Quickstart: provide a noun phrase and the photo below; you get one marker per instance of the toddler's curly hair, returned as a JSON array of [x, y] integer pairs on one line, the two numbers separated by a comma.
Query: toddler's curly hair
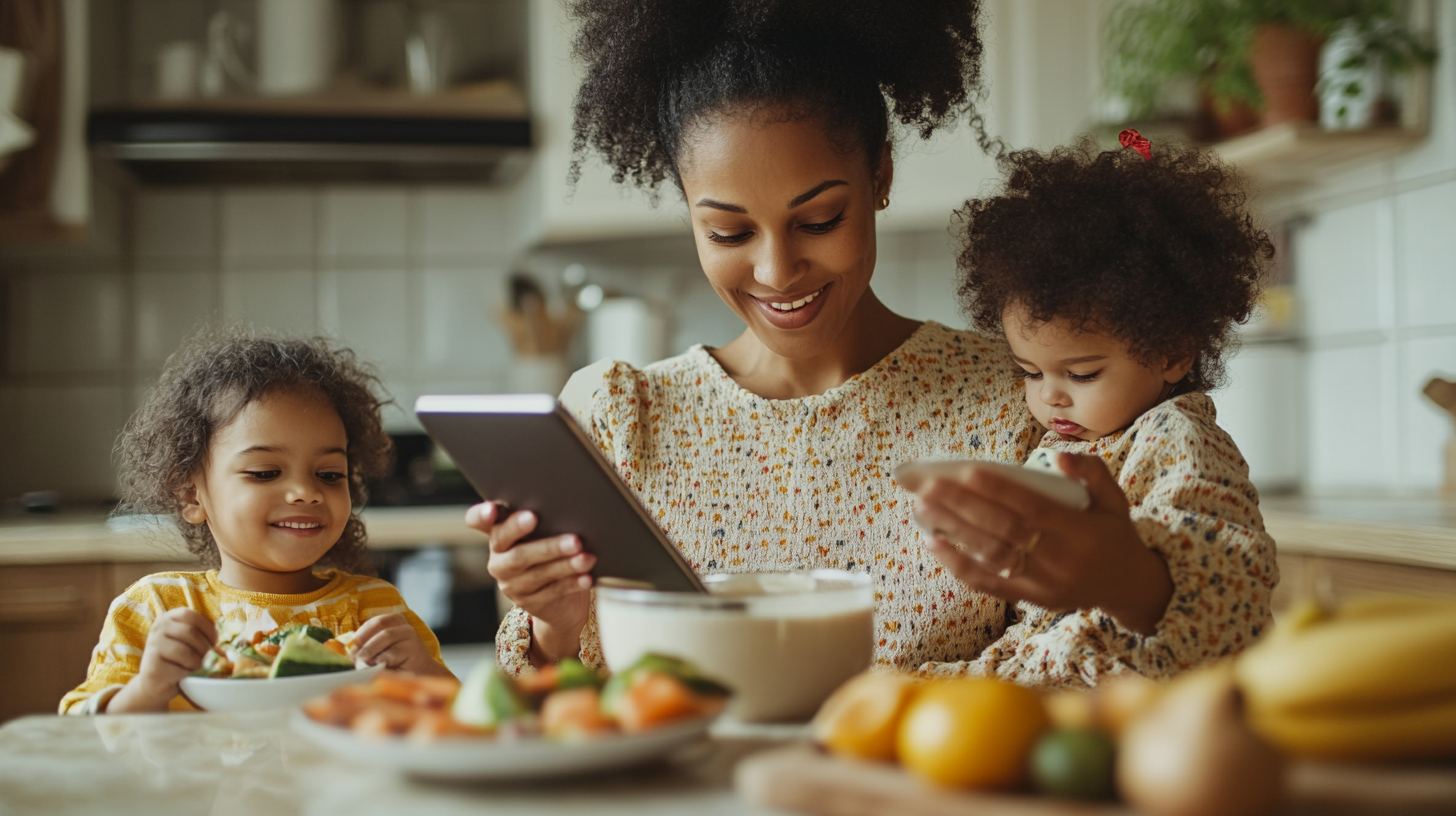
[[204, 387], [1160, 254]]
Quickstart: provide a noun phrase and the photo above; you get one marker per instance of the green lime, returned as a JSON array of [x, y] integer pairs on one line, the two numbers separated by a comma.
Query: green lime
[[1074, 763]]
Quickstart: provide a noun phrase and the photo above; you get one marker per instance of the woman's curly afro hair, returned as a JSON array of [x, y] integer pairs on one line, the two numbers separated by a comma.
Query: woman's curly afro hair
[[654, 67], [1160, 254], [204, 387]]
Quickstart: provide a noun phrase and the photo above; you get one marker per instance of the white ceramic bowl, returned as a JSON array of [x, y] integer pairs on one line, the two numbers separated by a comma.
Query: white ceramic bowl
[[214, 694], [488, 758], [781, 641]]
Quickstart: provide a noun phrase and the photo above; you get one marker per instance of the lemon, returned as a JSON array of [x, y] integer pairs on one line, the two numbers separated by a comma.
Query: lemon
[[860, 719], [971, 733]]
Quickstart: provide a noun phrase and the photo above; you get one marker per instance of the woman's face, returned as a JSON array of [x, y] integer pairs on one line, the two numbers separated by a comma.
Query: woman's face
[[785, 225]]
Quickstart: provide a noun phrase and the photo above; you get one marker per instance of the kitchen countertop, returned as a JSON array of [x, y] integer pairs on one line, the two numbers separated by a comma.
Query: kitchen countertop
[[1418, 530], [252, 763], [90, 538]]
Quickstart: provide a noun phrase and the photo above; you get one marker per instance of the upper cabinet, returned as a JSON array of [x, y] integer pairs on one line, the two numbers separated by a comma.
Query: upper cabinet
[[1039, 69]]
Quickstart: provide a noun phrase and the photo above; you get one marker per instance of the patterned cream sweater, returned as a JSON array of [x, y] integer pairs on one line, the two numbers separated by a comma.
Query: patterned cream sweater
[[742, 483]]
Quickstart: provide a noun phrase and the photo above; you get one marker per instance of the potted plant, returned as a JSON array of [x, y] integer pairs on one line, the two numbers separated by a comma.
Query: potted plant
[[1263, 54]]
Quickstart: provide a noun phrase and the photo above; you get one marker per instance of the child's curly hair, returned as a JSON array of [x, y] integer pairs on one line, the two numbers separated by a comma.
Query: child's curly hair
[[203, 388], [1160, 254]]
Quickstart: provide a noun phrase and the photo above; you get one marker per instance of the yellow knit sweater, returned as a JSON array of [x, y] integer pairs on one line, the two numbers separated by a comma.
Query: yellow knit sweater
[[341, 605]]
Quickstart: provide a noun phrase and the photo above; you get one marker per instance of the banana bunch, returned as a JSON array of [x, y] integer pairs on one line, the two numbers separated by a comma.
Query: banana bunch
[[1375, 680]]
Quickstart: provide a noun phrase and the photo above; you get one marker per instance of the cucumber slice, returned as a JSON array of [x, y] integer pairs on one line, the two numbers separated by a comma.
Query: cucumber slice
[[318, 633], [301, 654], [489, 698]]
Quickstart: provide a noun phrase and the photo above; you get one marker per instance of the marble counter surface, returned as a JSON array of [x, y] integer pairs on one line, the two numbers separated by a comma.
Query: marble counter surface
[[90, 538], [253, 764]]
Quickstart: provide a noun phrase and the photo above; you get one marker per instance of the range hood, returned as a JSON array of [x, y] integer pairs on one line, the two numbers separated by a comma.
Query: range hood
[[268, 141]]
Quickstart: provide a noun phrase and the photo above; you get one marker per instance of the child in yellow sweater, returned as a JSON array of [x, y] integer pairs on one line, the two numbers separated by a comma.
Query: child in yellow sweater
[[259, 448]]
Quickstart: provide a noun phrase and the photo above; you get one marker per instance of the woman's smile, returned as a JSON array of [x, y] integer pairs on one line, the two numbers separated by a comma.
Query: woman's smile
[[790, 311]]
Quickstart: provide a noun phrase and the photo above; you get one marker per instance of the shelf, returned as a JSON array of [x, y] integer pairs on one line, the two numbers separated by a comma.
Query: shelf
[[455, 137], [1298, 154]]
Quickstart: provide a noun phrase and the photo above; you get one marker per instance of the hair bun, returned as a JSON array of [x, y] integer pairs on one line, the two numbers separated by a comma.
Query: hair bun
[[651, 65]]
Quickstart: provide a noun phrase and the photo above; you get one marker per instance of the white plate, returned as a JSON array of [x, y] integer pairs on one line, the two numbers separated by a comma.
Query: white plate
[[216, 694], [502, 760]]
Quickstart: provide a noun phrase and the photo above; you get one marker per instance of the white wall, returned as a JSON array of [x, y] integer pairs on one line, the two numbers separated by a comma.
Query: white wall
[[1375, 271]]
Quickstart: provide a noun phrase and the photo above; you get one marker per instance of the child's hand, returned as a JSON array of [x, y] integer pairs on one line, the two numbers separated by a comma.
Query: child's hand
[[178, 641], [391, 641]]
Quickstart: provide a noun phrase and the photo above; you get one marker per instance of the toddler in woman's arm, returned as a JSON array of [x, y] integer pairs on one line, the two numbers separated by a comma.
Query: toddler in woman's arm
[[1119, 279]]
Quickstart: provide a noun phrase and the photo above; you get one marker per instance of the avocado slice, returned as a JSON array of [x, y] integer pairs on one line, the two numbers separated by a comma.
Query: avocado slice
[[301, 654]]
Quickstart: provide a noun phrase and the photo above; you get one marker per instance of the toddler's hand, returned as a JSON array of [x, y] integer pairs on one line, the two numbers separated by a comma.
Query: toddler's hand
[[391, 641], [178, 641]]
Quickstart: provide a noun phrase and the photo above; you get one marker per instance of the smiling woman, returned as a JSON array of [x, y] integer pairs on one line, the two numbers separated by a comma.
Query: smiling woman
[[774, 119]]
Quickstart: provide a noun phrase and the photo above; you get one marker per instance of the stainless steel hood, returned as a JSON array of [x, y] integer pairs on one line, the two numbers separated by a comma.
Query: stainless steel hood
[[200, 145]]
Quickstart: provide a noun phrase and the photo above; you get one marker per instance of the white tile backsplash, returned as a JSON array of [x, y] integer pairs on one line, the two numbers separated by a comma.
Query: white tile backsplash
[[1346, 419], [267, 223], [176, 223], [168, 307], [454, 222], [70, 322], [1424, 427], [460, 331], [369, 311], [280, 300], [1338, 257], [1425, 233], [364, 222]]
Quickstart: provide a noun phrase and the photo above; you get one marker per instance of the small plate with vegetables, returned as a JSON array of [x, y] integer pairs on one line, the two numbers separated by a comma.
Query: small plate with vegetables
[[276, 669], [562, 720]]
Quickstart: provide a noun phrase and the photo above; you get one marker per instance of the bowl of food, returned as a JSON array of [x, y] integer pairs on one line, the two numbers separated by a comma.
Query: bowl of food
[[781, 641], [273, 669], [562, 720]]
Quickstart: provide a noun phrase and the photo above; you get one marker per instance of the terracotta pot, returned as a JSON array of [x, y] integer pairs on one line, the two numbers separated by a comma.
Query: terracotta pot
[[1285, 61], [1237, 118]]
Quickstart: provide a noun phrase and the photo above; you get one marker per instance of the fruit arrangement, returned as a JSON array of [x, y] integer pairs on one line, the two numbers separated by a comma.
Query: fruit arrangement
[[565, 701], [1374, 680], [287, 651]]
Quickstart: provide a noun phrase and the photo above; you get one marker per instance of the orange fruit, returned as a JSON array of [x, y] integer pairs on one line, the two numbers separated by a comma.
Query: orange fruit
[[860, 719], [971, 733]]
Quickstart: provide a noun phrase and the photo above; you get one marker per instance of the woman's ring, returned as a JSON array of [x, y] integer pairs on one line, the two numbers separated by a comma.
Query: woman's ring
[[1021, 553]]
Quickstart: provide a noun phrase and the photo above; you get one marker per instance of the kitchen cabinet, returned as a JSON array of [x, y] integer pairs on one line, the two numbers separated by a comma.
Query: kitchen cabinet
[[1040, 68], [50, 618]]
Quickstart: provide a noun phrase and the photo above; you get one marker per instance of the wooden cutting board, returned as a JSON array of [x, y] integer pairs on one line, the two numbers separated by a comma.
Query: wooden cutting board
[[806, 780]]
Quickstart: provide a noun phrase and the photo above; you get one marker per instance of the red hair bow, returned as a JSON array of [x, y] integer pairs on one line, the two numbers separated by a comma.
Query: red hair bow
[[1135, 140]]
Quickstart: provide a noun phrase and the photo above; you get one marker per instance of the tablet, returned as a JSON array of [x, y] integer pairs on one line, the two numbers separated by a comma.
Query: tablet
[[527, 451]]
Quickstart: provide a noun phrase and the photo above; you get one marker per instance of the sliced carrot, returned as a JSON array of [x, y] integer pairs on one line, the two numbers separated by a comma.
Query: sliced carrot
[[434, 725], [333, 645], [655, 698], [258, 638], [397, 686], [540, 683], [436, 692], [269, 649], [382, 718], [573, 712]]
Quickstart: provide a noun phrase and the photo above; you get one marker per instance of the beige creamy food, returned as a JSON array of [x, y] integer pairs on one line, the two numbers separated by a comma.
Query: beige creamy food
[[782, 641]]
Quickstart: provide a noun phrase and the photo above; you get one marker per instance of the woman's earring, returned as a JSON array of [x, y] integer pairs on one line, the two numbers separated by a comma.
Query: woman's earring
[[884, 202]]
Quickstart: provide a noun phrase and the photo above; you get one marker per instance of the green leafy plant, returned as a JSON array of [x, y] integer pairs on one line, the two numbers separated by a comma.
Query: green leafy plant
[[1152, 43]]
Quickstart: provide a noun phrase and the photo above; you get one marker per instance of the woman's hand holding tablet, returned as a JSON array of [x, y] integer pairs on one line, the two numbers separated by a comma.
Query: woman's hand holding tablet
[[549, 578]]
